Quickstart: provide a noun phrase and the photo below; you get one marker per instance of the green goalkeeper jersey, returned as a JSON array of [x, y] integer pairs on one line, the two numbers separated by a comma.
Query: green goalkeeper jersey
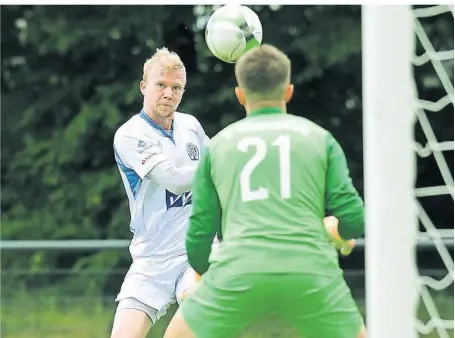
[[264, 183]]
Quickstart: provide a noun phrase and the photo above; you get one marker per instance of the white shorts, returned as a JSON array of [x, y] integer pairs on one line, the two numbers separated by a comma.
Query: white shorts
[[157, 284]]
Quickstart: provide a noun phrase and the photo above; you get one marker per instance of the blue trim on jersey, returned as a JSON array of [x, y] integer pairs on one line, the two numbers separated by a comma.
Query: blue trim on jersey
[[169, 134], [133, 178]]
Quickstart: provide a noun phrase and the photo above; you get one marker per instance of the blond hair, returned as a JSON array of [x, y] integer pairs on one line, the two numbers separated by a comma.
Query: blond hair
[[166, 60], [263, 73]]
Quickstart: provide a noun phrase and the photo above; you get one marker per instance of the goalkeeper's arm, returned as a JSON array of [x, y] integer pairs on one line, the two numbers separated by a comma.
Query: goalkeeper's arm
[[342, 199], [205, 220]]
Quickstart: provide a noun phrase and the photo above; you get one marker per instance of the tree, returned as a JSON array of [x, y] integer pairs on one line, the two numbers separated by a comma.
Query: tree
[[70, 77]]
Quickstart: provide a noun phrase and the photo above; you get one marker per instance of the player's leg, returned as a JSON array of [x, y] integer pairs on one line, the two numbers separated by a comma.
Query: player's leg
[[219, 307], [363, 332], [178, 328], [133, 319], [145, 296], [321, 307], [186, 284]]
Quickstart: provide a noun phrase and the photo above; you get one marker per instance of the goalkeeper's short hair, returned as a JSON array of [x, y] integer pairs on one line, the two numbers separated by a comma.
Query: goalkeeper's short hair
[[263, 73]]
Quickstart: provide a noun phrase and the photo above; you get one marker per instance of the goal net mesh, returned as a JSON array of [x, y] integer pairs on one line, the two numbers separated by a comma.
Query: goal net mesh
[[434, 145]]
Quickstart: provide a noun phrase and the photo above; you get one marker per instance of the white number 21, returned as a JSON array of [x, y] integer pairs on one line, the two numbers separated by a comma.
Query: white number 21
[[283, 144]]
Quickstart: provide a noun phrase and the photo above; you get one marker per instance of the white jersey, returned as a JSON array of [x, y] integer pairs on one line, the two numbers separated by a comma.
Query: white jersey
[[159, 218]]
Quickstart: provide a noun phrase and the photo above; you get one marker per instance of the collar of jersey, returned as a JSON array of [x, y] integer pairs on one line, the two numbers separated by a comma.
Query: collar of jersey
[[265, 111], [164, 132]]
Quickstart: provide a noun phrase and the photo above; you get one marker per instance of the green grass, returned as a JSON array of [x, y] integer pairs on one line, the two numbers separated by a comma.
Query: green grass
[[29, 316]]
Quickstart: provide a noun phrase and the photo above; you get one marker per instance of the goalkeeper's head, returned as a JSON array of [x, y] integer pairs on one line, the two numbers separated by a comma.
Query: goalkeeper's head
[[264, 78]]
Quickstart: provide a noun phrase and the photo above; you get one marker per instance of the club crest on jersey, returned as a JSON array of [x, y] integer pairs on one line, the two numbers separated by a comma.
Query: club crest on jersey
[[193, 151]]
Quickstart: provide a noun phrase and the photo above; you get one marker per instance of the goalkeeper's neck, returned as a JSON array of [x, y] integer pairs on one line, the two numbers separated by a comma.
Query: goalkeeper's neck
[[252, 106]]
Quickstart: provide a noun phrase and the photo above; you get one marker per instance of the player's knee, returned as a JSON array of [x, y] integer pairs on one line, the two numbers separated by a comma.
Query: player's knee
[[362, 333], [130, 323]]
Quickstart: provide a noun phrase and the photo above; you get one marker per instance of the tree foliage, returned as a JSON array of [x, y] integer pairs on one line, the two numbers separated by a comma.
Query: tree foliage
[[70, 78]]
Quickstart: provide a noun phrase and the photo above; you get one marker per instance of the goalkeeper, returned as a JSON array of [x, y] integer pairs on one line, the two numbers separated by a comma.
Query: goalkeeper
[[265, 183]]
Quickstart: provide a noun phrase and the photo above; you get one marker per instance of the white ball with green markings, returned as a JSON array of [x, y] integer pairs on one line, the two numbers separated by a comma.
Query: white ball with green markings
[[231, 31]]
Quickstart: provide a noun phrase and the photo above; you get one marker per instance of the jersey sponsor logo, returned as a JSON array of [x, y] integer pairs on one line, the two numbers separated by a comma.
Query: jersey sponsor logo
[[143, 147], [178, 201], [144, 160], [193, 151]]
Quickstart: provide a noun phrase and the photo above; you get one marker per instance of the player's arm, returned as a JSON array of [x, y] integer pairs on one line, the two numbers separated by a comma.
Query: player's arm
[[342, 199], [205, 220], [149, 161], [176, 180]]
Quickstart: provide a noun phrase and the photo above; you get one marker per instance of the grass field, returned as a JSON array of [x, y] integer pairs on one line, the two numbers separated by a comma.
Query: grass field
[[31, 317]]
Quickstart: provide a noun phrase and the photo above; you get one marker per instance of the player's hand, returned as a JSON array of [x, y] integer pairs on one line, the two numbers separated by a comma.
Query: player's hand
[[331, 226]]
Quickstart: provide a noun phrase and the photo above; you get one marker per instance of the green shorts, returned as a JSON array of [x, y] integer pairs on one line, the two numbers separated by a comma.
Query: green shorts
[[318, 307]]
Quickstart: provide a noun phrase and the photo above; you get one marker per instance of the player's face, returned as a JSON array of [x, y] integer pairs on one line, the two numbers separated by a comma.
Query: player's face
[[163, 92]]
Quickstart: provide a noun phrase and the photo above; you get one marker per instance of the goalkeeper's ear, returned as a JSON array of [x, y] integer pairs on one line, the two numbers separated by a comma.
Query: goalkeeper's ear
[[240, 94], [289, 92]]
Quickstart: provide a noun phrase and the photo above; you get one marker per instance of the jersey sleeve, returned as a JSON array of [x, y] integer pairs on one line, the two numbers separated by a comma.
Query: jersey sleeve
[[175, 180], [341, 198], [205, 220], [139, 155]]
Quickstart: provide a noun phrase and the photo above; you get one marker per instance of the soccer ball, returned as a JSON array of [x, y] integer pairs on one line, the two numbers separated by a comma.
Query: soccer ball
[[231, 31]]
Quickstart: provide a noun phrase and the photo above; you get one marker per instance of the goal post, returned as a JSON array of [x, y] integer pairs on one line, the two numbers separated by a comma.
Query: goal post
[[403, 47], [390, 170]]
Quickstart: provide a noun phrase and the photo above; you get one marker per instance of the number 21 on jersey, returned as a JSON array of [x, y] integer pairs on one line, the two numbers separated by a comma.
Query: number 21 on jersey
[[282, 144]]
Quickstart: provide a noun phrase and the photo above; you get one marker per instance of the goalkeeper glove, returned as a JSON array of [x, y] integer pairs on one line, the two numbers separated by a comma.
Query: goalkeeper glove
[[331, 227]]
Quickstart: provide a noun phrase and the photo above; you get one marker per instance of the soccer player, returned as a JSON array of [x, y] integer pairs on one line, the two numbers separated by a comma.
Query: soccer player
[[157, 152], [265, 183]]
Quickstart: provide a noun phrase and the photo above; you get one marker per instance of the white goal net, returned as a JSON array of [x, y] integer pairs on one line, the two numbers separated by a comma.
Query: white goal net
[[434, 61], [408, 94]]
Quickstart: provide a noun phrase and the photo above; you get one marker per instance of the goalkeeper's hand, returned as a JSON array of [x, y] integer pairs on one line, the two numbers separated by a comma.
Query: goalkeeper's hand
[[331, 226]]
